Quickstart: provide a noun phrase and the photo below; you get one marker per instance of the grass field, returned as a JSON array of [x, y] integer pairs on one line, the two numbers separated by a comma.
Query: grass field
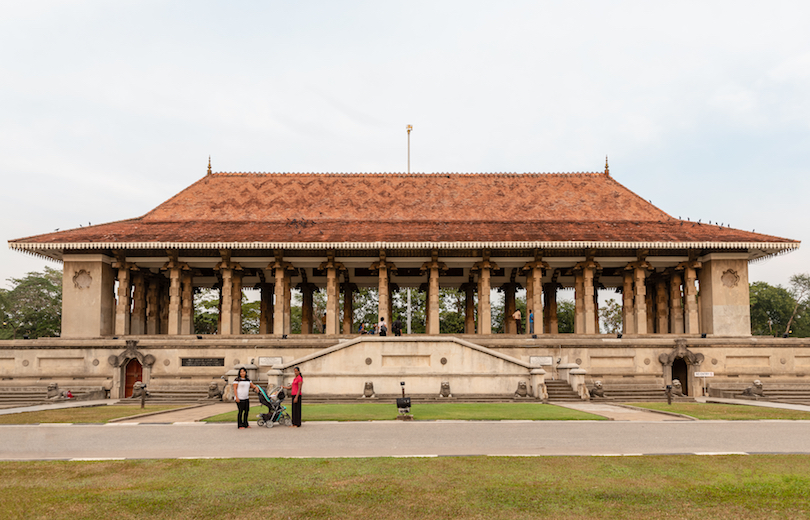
[[428, 412], [85, 414], [726, 412], [683, 487]]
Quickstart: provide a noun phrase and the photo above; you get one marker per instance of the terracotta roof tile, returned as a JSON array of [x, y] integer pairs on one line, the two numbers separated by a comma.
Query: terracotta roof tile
[[404, 208]]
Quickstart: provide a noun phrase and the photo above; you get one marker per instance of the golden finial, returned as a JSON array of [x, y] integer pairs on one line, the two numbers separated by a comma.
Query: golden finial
[[607, 169], [209, 165]]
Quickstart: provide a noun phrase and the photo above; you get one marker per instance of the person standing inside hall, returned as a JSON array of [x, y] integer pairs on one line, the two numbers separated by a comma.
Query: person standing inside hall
[[531, 322], [241, 392], [295, 392], [516, 315]]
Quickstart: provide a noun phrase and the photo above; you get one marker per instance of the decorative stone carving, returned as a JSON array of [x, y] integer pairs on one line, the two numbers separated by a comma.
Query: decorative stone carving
[[138, 390], [26, 362], [95, 362], [647, 361], [443, 361], [107, 387], [754, 391], [522, 389], [368, 390], [368, 361], [597, 390], [445, 389], [680, 351], [82, 279], [214, 391], [131, 352], [677, 389], [730, 278], [53, 391]]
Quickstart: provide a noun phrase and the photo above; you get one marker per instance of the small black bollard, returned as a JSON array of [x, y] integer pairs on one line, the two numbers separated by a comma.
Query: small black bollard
[[669, 394], [143, 396]]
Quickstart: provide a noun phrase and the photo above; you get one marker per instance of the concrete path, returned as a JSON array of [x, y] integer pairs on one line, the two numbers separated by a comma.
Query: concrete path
[[58, 406], [762, 404], [402, 439], [622, 413], [186, 415]]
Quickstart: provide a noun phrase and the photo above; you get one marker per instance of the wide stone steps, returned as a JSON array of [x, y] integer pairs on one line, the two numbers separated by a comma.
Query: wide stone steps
[[561, 391]]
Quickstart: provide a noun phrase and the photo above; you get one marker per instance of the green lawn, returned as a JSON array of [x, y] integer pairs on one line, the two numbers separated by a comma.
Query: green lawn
[[682, 487], [726, 412], [428, 412], [85, 414]]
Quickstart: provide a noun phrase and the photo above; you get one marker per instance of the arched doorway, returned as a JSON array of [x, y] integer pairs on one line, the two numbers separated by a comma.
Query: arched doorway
[[132, 373], [680, 371]]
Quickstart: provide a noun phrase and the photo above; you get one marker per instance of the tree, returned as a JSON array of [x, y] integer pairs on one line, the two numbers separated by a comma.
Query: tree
[[566, 311], [33, 307], [610, 317], [800, 291], [771, 308]]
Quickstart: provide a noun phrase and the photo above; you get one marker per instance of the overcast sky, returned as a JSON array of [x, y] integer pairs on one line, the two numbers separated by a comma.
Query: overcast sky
[[109, 108]]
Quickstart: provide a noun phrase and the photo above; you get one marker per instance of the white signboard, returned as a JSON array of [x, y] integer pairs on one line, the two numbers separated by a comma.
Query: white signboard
[[538, 361], [704, 374], [269, 361]]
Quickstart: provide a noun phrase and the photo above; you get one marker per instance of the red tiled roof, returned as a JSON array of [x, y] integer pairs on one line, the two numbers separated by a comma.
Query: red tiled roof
[[403, 208]]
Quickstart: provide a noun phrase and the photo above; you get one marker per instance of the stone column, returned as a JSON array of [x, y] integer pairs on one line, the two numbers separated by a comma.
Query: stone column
[[579, 302], [535, 303], [138, 318], [175, 300], [550, 323], [187, 312], [509, 325], [123, 307], [226, 302], [484, 269], [529, 302], [675, 304], [153, 307], [650, 301], [640, 296], [307, 318], [281, 307], [585, 322], [628, 314], [266, 308], [469, 308], [383, 306], [691, 324], [287, 304], [163, 293], [332, 269], [433, 301], [236, 302], [661, 306], [348, 307]]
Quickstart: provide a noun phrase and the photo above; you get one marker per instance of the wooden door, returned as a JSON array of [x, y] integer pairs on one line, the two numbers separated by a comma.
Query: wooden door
[[133, 372]]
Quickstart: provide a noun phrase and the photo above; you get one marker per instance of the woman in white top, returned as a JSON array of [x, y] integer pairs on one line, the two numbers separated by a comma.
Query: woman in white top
[[241, 392]]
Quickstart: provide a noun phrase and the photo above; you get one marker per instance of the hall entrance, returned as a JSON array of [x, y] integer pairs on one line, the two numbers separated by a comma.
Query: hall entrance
[[132, 373], [680, 371]]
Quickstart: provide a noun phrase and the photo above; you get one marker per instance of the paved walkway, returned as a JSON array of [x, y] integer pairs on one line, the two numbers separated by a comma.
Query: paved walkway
[[746, 402], [186, 415], [401, 439], [623, 413], [58, 406]]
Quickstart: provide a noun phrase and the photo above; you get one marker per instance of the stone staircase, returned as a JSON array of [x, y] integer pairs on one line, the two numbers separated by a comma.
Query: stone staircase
[[33, 395], [561, 391], [635, 393], [174, 395]]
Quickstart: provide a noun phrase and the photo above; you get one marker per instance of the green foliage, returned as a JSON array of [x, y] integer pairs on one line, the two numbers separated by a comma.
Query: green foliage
[[33, 307], [610, 317], [206, 311], [772, 308], [566, 311]]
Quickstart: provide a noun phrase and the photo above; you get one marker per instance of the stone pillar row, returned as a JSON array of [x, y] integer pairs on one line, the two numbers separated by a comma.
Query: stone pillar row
[[660, 303], [651, 303]]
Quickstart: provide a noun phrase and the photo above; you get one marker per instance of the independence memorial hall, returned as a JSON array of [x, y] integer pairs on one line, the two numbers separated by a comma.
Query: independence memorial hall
[[129, 287]]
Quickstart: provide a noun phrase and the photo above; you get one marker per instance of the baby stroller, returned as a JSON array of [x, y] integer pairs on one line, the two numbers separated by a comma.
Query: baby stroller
[[277, 414]]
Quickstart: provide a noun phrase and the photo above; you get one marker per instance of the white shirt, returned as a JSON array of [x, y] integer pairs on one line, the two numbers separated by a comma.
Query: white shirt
[[242, 389]]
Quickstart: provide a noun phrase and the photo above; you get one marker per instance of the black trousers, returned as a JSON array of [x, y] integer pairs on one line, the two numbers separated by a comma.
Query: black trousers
[[243, 406], [296, 410]]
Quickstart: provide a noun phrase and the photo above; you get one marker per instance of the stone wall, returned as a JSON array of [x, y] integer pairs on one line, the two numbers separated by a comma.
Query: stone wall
[[332, 369]]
